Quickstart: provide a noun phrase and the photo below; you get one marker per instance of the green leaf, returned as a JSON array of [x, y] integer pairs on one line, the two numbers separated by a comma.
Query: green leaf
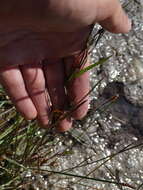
[[82, 71]]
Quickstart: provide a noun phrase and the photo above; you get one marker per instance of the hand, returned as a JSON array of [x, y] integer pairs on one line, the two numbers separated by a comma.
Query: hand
[[56, 32]]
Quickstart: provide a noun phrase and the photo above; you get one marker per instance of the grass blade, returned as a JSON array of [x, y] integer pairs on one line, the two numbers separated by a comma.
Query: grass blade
[[82, 71], [7, 132], [14, 162], [89, 178]]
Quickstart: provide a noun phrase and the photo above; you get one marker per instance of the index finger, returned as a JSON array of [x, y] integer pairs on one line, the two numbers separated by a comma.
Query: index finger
[[112, 17]]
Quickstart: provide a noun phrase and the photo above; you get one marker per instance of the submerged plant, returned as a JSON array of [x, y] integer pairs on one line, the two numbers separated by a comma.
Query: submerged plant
[[29, 156]]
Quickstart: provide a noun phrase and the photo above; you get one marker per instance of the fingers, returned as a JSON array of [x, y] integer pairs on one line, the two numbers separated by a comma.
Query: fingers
[[78, 88], [13, 82], [35, 84], [112, 17], [55, 78], [26, 88]]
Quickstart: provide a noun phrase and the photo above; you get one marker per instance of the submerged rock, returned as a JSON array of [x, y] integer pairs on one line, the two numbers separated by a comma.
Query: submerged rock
[[123, 109]]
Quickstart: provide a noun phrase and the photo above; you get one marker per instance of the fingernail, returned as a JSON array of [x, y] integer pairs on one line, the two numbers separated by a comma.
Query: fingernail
[[64, 125], [129, 24], [43, 121]]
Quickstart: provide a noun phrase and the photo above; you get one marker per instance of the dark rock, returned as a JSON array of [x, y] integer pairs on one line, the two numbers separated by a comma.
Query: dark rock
[[130, 115]]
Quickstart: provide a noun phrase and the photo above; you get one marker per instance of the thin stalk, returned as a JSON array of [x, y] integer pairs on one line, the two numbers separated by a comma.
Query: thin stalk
[[85, 177]]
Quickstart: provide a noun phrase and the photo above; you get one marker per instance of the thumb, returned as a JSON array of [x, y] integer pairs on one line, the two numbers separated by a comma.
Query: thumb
[[113, 18]]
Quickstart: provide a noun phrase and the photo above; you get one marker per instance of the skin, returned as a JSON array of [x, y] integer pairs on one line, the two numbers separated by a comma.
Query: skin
[[54, 31]]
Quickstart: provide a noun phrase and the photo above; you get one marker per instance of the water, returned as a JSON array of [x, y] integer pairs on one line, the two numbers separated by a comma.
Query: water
[[117, 128]]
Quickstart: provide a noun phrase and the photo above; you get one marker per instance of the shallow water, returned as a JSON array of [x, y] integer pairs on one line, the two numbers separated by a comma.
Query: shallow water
[[116, 127]]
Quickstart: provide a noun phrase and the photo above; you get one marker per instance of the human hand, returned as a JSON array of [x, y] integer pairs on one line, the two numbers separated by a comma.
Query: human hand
[[57, 32]]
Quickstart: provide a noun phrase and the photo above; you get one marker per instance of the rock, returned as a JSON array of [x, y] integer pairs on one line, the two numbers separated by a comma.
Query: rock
[[129, 114]]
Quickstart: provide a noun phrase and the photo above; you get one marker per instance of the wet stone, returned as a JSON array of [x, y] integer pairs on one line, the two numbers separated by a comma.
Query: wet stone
[[113, 127]]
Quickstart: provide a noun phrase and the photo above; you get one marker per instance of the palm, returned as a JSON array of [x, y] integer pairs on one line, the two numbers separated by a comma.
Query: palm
[[30, 46], [57, 34]]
